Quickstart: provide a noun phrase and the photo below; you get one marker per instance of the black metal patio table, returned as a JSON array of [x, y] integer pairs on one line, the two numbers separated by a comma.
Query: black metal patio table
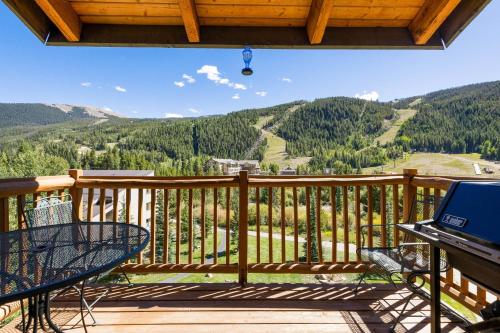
[[36, 261]]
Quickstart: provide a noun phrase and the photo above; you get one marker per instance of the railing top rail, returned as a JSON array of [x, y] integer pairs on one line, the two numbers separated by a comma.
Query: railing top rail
[[325, 176], [154, 183], [443, 182], [17, 186], [325, 181], [157, 177]]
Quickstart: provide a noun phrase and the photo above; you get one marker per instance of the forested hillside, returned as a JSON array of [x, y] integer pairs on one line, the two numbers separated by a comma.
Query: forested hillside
[[335, 133], [331, 122], [25, 114], [458, 120]]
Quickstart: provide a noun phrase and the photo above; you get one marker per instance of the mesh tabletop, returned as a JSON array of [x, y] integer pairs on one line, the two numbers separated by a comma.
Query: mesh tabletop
[[42, 259]]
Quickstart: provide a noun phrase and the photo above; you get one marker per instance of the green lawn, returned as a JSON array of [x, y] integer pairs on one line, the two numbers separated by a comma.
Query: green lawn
[[438, 164]]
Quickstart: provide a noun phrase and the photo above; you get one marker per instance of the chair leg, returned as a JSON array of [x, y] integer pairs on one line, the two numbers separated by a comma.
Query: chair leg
[[23, 317], [130, 284], [392, 281], [361, 280], [82, 300], [85, 306], [400, 315]]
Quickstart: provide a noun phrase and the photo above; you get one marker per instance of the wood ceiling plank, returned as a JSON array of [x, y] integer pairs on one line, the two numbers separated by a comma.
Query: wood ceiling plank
[[63, 16], [125, 9], [367, 23], [131, 1], [318, 19], [132, 20], [375, 13], [379, 3], [252, 11], [429, 19], [305, 3], [251, 22], [190, 18]]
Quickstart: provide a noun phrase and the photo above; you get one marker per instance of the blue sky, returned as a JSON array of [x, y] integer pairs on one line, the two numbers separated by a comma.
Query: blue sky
[[141, 82]]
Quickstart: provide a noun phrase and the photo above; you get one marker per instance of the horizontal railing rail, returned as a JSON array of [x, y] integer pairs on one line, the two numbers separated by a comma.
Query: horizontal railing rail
[[247, 224]]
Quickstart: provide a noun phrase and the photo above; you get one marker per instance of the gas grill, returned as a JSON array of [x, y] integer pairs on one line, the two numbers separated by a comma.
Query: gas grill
[[468, 222], [467, 226]]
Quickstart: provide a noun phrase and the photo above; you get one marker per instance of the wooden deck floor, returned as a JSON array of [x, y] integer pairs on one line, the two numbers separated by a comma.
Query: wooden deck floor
[[195, 308]]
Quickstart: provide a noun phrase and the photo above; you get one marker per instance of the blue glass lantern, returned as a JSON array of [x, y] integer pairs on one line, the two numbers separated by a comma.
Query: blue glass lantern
[[247, 57]]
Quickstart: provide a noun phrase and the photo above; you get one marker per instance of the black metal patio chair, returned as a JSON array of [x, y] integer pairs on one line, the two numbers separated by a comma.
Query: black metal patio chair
[[56, 210], [407, 262]]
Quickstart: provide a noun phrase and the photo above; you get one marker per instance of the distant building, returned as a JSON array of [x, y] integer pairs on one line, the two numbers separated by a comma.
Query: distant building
[[288, 171], [233, 167], [328, 171], [108, 206], [252, 166]]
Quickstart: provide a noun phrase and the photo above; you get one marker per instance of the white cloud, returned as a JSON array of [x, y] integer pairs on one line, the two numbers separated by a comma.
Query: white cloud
[[193, 110], [107, 109], [286, 79], [179, 84], [86, 84], [261, 93], [236, 96], [238, 86], [135, 112], [213, 74], [173, 115], [120, 89], [188, 78], [369, 96]]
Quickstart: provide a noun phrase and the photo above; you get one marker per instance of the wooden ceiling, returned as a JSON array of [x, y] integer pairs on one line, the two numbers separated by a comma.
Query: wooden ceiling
[[259, 23]]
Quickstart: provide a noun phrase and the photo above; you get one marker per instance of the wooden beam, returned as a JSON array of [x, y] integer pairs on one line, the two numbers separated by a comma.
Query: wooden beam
[[318, 19], [430, 18], [32, 16], [465, 13], [237, 37], [63, 16], [190, 18]]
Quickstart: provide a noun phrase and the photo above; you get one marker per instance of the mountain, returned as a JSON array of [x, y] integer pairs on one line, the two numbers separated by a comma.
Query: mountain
[[338, 132], [457, 120], [30, 114], [330, 122]]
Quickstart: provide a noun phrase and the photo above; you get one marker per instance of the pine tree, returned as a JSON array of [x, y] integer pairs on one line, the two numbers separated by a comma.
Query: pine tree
[[312, 230]]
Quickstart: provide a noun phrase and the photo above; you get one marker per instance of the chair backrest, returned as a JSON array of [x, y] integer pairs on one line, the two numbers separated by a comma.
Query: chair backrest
[[49, 211], [423, 207]]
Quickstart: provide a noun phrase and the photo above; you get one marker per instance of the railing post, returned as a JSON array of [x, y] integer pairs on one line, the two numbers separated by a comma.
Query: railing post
[[4, 214], [409, 192], [243, 228], [76, 193]]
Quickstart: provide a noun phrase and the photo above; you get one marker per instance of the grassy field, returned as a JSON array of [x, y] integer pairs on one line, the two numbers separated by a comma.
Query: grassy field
[[439, 164], [233, 258], [276, 152], [390, 134], [263, 121]]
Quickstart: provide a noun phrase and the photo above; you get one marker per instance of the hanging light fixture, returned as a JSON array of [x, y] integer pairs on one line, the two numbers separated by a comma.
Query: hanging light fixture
[[247, 57]]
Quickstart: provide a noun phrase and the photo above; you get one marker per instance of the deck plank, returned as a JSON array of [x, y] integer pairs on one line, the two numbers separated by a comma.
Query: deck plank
[[199, 308]]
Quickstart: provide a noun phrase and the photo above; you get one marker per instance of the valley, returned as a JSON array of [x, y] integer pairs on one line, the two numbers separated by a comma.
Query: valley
[[442, 132]]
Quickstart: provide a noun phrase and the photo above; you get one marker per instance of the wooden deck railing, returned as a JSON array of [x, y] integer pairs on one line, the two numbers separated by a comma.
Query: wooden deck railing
[[245, 224]]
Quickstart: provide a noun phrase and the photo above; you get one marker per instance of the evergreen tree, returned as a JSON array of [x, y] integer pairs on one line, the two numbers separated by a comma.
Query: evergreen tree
[[313, 230]]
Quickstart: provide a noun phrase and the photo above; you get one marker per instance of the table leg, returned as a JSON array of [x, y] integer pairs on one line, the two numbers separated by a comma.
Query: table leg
[[47, 314], [39, 314], [435, 290], [35, 313]]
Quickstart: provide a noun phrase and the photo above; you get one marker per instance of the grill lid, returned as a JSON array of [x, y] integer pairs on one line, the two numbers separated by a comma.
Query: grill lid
[[471, 209]]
